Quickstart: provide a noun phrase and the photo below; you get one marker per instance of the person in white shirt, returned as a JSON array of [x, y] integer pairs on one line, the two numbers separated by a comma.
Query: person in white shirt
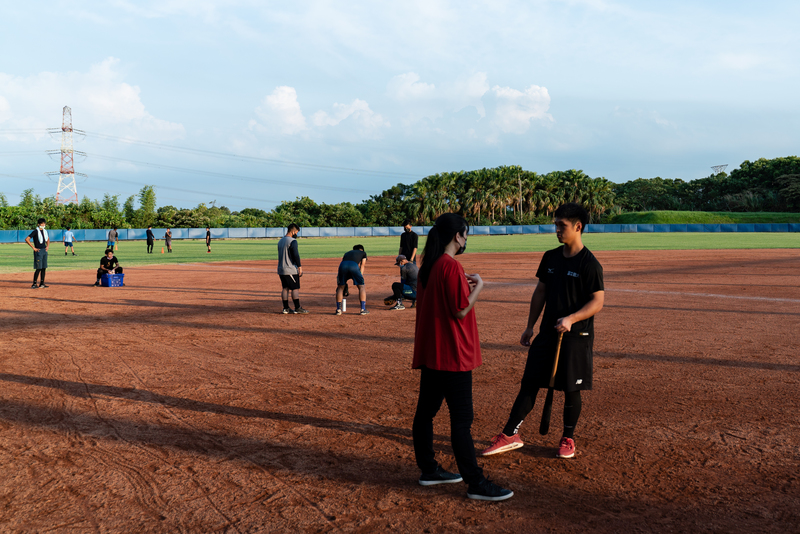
[[40, 245], [69, 238]]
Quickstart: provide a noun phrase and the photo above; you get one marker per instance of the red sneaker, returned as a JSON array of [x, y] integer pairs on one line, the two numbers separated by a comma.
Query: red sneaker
[[502, 443], [566, 449]]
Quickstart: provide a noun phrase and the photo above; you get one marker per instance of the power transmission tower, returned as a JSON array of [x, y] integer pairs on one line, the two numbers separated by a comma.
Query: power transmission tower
[[67, 189], [719, 168]]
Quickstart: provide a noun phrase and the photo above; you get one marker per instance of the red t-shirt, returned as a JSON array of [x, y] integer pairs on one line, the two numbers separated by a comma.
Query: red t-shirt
[[441, 341]]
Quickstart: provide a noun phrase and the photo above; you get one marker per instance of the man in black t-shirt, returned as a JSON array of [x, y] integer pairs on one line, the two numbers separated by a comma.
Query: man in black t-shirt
[[40, 244], [408, 242], [109, 264], [352, 268], [571, 291]]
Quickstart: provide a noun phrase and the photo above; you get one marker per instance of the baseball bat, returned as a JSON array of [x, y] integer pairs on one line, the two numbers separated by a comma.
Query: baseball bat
[[544, 427]]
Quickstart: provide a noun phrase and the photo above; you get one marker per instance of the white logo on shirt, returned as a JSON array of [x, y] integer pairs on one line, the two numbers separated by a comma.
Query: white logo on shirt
[[570, 273], [580, 381]]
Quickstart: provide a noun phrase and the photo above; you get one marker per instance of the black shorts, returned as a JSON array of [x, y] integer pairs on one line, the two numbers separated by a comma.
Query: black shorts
[[574, 371], [290, 281]]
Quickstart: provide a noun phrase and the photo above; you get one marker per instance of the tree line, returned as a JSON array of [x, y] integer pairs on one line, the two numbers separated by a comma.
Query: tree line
[[500, 195]]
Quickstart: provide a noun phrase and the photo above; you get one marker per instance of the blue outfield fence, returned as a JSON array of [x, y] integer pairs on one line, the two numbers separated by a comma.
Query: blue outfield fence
[[18, 236]]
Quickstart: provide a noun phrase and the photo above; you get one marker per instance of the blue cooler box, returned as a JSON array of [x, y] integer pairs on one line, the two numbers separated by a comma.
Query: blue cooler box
[[112, 280]]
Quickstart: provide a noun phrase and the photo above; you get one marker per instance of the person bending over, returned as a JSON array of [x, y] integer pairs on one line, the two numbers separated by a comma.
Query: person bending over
[[352, 268]]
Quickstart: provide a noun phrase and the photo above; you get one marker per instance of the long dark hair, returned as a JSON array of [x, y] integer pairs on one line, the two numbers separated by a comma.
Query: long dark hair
[[444, 230]]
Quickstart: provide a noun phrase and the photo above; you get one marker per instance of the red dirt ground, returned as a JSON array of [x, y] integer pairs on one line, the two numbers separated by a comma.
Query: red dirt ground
[[185, 403]]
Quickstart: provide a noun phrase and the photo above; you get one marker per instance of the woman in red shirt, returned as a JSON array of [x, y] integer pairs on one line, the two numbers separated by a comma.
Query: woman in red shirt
[[446, 350]]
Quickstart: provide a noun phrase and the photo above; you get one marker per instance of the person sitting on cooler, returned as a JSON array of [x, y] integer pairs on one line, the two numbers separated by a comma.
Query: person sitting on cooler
[[109, 264]]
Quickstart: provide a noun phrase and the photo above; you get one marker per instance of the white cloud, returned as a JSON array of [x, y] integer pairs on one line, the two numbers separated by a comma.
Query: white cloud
[[408, 87], [516, 109], [100, 100], [282, 110], [367, 122]]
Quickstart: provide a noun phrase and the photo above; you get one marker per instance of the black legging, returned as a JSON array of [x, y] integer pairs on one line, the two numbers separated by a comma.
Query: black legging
[[456, 388], [36, 274], [150, 246], [524, 404]]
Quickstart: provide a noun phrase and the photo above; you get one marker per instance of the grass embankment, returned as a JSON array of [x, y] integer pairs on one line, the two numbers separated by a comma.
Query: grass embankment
[[19, 258], [703, 217]]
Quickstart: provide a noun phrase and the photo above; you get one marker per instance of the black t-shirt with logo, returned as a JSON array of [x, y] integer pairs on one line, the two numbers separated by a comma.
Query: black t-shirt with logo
[[408, 242], [569, 283], [109, 263]]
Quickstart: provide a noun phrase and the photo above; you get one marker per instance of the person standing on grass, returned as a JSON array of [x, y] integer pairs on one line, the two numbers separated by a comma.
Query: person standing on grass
[[290, 270], [408, 242], [69, 238], [571, 292], [40, 246], [446, 350], [151, 239], [168, 239], [208, 239], [352, 268], [112, 238]]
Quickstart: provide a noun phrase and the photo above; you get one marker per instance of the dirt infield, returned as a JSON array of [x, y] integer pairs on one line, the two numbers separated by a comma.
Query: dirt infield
[[185, 402]]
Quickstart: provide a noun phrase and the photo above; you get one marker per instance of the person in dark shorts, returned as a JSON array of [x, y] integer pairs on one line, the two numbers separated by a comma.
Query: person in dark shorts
[[208, 239], [290, 270], [408, 242], [352, 268], [113, 235], [407, 286], [69, 239], [168, 239], [108, 265], [571, 292], [151, 239], [447, 349], [40, 244]]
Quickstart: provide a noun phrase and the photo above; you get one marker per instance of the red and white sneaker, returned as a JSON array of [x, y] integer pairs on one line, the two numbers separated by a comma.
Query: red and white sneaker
[[566, 449], [502, 443]]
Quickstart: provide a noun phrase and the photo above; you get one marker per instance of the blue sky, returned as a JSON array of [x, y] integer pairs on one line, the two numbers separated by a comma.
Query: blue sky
[[338, 101]]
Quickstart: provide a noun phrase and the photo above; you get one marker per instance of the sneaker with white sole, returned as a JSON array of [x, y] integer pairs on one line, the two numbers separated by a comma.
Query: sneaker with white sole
[[300, 311], [288, 311], [566, 449], [398, 307], [364, 312], [488, 491], [337, 312], [440, 476], [502, 443]]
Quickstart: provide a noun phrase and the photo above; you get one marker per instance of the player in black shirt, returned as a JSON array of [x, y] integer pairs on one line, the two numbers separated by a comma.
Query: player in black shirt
[[208, 239], [408, 242], [109, 264], [352, 268], [571, 291], [39, 241]]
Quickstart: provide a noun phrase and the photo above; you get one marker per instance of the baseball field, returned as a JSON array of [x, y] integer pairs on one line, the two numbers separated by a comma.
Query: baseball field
[[185, 402]]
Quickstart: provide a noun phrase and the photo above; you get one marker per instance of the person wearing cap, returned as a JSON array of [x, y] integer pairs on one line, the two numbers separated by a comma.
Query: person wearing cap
[[407, 286]]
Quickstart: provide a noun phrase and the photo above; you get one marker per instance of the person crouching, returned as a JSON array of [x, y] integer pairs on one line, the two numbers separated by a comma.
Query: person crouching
[[109, 264]]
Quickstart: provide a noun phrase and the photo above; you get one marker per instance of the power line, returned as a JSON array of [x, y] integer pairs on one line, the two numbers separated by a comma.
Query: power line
[[234, 176], [249, 158]]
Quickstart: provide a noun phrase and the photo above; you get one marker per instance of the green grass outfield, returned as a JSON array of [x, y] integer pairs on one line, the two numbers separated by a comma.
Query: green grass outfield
[[19, 257], [703, 217]]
